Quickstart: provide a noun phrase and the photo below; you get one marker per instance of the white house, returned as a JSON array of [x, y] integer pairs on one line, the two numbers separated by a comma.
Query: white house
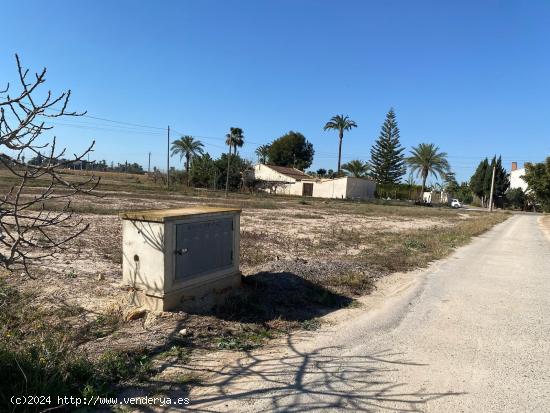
[[284, 180], [291, 181], [516, 177], [437, 197]]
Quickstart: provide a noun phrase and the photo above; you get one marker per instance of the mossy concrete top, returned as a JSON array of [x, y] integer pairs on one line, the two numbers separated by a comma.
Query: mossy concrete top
[[162, 215]]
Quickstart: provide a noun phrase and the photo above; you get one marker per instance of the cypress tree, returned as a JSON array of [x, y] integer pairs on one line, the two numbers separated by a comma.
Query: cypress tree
[[480, 182], [478, 178], [502, 181], [387, 159]]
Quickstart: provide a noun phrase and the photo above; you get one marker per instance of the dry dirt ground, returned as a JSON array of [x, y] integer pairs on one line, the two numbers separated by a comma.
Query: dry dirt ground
[[88, 273], [300, 259]]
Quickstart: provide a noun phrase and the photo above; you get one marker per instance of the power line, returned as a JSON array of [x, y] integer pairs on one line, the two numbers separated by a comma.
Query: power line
[[124, 123], [132, 127]]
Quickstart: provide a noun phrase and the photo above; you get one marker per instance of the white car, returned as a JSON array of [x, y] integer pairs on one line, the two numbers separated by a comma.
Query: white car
[[455, 203]]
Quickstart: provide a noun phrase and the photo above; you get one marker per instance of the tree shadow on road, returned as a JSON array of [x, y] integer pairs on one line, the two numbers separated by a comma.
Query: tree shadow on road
[[322, 380]]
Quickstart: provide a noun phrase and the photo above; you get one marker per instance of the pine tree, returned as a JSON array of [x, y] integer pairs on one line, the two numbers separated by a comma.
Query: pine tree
[[387, 162]]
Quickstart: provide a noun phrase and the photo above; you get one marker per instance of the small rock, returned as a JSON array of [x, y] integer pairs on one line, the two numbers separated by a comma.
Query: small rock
[[150, 320], [134, 314], [100, 277], [183, 332], [165, 314]]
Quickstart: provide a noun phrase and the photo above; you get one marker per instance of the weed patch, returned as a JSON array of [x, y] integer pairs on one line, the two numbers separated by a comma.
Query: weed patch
[[311, 325], [177, 353], [245, 340], [38, 354], [187, 379], [353, 282]]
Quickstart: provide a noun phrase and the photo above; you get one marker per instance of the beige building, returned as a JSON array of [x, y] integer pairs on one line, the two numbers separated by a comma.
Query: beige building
[[291, 181]]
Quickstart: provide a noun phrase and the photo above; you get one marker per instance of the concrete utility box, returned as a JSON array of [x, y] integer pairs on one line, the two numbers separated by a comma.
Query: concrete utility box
[[180, 258]]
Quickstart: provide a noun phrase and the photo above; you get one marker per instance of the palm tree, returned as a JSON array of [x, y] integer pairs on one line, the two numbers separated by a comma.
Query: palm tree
[[426, 159], [262, 152], [233, 139], [410, 183], [340, 123], [187, 147], [356, 168]]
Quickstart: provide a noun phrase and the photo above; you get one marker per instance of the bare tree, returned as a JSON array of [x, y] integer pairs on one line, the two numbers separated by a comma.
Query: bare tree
[[29, 231]]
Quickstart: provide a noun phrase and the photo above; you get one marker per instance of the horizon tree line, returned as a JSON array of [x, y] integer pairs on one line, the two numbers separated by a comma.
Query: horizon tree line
[[387, 165]]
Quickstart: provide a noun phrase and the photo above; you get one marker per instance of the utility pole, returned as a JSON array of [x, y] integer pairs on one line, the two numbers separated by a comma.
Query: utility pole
[[168, 161], [149, 164], [492, 189]]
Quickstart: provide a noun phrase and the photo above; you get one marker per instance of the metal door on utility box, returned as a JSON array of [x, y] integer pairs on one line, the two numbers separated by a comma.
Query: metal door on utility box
[[203, 247]]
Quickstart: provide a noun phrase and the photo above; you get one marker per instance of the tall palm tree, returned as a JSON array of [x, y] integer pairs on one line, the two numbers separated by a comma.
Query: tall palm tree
[[340, 123], [426, 159], [233, 139], [187, 147], [262, 152], [356, 168]]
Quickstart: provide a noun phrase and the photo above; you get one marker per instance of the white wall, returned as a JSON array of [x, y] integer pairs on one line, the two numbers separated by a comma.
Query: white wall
[[265, 173], [345, 188], [330, 188], [516, 181]]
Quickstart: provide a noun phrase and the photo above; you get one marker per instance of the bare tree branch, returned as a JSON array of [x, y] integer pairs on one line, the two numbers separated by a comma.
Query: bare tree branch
[[29, 229]]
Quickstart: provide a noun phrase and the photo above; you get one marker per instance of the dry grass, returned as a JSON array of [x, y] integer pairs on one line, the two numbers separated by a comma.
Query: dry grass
[[301, 258]]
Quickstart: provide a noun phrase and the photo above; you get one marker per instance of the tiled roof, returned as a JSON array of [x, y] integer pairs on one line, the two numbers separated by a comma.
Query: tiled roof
[[290, 172]]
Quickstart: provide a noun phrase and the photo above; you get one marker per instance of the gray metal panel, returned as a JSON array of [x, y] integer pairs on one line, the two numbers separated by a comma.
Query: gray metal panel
[[203, 247]]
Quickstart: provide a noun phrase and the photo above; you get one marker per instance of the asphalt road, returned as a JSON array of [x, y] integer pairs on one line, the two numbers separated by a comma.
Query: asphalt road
[[472, 335]]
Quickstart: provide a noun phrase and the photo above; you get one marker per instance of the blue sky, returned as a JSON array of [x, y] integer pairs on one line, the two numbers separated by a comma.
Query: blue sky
[[470, 76]]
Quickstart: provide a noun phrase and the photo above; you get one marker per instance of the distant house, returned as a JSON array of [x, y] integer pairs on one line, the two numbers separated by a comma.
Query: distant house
[[437, 197], [283, 180], [516, 177], [292, 181]]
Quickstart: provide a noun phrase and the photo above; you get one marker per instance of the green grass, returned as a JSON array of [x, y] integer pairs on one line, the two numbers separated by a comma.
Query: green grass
[[176, 352], [38, 354], [247, 339]]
